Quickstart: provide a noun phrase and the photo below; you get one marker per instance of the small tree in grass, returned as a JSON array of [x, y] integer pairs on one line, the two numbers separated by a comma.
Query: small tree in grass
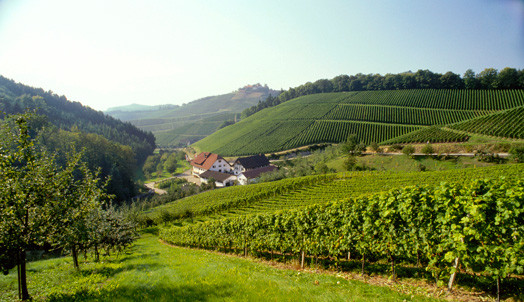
[[408, 150], [428, 149], [517, 153]]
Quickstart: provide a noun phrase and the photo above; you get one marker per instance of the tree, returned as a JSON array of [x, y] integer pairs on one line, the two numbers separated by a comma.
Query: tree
[[171, 163], [230, 122], [408, 150], [470, 80], [351, 146], [488, 78], [449, 80], [508, 79], [428, 149], [35, 195]]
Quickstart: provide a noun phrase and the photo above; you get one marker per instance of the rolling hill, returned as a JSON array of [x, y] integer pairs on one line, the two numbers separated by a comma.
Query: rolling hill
[[374, 116], [178, 125]]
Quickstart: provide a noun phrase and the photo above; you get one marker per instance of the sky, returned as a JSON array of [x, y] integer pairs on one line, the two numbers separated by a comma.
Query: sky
[[112, 53]]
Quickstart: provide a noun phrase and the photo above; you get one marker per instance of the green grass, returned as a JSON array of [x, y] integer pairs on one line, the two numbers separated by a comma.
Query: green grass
[[152, 271]]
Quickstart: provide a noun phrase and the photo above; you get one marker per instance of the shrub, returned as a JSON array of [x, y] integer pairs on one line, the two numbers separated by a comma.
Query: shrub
[[428, 149], [517, 153], [408, 150]]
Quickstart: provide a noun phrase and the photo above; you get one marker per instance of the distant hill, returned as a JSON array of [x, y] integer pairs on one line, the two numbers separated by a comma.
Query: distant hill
[[418, 115], [179, 125], [138, 107]]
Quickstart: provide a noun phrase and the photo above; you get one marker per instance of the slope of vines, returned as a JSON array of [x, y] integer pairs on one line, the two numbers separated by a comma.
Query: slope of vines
[[432, 134], [299, 192], [478, 223], [373, 116], [509, 123]]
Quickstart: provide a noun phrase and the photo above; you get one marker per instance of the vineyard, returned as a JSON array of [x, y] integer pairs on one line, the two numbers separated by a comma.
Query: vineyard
[[509, 123], [477, 224], [432, 134], [318, 189], [402, 116]]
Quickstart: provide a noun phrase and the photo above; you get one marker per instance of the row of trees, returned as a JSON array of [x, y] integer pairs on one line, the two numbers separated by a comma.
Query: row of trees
[[47, 204], [489, 78]]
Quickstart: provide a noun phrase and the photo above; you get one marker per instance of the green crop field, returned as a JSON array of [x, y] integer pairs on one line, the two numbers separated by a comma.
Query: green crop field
[[509, 123], [373, 116], [317, 189]]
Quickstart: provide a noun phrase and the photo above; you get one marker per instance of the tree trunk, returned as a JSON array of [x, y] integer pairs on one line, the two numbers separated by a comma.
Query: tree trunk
[[23, 293], [498, 289], [303, 257], [454, 275], [363, 262], [19, 277], [393, 273], [75, 257], [97, 255], [349, 256]]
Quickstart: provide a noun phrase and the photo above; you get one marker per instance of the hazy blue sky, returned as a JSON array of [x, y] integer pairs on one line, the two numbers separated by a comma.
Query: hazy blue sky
[[107, 53]]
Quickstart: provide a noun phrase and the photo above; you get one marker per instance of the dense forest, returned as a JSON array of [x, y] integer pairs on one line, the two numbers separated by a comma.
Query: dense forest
[[16, 98], [489, 78], [64, 127]]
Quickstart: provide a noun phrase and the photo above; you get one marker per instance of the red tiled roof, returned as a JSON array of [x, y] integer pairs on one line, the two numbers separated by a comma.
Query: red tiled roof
[[205, 160]]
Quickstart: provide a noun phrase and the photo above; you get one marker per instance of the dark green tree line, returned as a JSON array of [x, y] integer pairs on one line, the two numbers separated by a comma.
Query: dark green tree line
[[489, 78]]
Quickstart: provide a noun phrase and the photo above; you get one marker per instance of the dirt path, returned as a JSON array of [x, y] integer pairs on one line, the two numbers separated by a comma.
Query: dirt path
[[151, 186], [187, 175]]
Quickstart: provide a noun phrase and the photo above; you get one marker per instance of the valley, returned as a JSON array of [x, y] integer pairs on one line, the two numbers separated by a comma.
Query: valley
[[390, 195]]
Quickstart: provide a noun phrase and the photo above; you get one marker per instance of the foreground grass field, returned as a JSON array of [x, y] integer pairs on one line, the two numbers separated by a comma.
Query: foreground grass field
[[152, 271]]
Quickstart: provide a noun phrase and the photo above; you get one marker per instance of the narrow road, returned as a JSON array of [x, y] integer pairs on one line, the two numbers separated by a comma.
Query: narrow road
[[187, 175], [151, 186]]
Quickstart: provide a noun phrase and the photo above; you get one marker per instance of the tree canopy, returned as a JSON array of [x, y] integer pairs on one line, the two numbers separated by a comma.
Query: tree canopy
[[45, 203]]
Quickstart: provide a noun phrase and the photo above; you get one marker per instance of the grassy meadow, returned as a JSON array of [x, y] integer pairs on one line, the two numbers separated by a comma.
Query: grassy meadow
[[152, 271]]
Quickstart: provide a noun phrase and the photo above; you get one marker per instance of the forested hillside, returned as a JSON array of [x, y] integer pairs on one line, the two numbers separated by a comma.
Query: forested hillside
[[61, 126], [417, 115], [16, 98]]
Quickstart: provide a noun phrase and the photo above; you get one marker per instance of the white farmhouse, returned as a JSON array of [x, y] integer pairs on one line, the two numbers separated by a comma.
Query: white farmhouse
[[251, 176], [207, 161], [243, 164], [221, 179]]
